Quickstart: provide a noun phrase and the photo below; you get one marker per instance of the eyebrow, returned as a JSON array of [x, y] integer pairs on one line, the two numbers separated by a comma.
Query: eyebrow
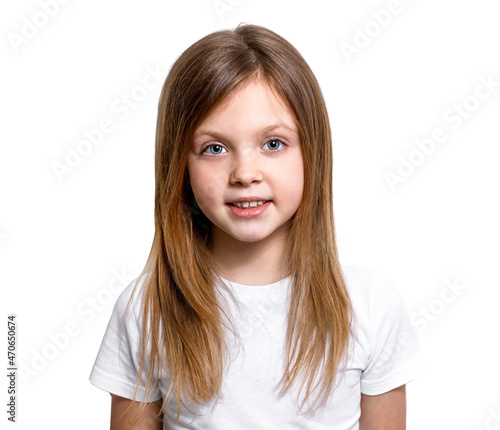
[[265, 130]]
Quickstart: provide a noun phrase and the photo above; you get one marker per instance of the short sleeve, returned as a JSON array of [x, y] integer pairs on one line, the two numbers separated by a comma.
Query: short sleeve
[[395, 356], [117, 364]]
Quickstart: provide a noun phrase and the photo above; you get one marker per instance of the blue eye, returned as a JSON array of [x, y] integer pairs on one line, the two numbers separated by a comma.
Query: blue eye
[[274, 144], [214, 149]]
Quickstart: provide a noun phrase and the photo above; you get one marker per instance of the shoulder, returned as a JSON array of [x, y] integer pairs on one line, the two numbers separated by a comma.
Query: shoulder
[[125, 324], [119, 358], [368, 287], [387, 347], [129, 302], [377, 303]]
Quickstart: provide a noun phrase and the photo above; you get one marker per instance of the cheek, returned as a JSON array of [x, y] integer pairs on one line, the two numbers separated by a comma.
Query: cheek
[[297, 188], [298, 176], [196, 180], [207, 184], [292, 183]]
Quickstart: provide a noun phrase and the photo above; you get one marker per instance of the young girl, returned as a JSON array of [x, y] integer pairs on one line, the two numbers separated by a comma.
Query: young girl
[[243, 317]]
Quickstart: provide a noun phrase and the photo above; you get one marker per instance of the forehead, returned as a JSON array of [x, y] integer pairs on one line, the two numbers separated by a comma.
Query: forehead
[[254, 101]]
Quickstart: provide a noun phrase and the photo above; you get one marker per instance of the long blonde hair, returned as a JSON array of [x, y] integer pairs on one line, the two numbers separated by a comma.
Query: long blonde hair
[[183, 321]]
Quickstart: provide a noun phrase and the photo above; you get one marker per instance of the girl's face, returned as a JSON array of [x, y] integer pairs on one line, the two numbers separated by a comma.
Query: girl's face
[[245, 166]]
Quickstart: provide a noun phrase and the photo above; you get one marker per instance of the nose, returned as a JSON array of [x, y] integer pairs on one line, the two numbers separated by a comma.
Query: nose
[[246, 169]]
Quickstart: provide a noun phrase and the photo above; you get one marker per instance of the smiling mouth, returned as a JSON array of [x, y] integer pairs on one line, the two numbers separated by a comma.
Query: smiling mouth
[[252, 204]]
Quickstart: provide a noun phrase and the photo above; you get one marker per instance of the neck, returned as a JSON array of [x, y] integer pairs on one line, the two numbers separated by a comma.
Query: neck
[[250, 263]]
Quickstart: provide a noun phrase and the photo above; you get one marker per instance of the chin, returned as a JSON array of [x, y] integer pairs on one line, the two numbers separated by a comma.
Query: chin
[[250, 237]]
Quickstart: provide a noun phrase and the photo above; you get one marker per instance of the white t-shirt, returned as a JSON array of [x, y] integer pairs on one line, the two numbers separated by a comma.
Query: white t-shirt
[[385, 354]]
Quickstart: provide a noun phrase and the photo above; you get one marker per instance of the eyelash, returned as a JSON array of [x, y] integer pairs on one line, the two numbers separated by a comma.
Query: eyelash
[[283, 144]]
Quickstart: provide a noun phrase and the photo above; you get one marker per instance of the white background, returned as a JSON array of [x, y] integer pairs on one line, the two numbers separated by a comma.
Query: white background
[[69, 245]]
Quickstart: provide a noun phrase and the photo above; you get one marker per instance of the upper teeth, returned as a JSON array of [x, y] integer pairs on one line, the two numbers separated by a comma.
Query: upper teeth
[[249, 204]]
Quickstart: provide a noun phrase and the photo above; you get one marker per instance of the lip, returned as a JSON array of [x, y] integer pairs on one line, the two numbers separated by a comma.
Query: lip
[[248, 212]]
